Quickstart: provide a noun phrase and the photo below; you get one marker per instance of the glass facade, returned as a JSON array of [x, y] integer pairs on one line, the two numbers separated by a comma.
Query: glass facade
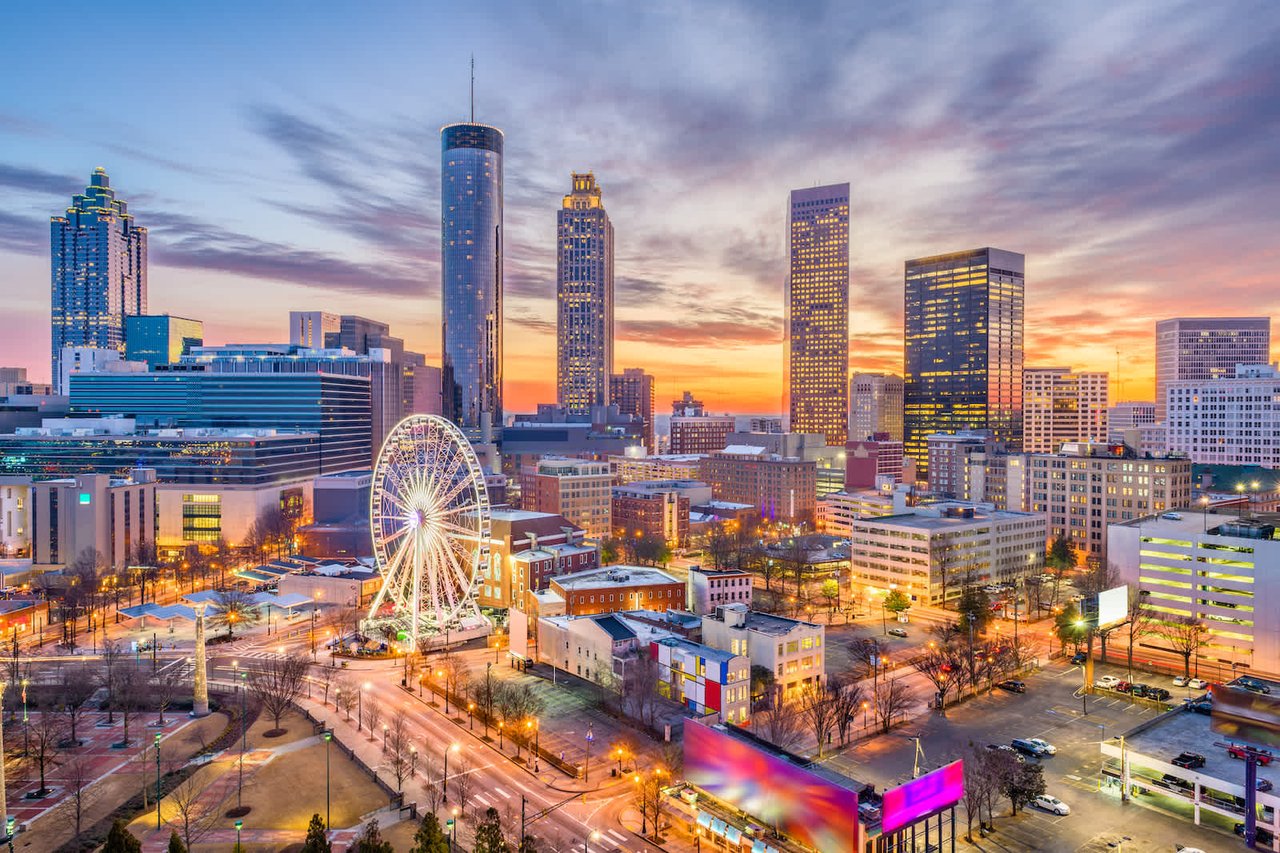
[[471, 273], [337, 408], [963, 330], [161, 339], [817, 308], [98, 270], [584, 298]]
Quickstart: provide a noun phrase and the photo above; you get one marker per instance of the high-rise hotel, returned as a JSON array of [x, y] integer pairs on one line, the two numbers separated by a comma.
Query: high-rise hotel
[[471, 273], [963, 330], [817, 308], [98, 266], [584, 298]]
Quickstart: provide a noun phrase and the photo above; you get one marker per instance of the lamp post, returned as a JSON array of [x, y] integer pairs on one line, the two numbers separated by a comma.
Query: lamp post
[[328, 736], [593, 836], [384, 737], [360, 707], [471, 720], [586, 767], [157, 780], [239, 826], [444, 785], [499, 735], [26, 737], [413, 761]]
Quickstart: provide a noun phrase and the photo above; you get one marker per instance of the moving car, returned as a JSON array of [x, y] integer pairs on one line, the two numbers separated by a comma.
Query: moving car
[[897, 632], [1237, 751], [1048, 748], [1107, 682], [1252, 684], [1051, 804], [1026, 747], [1189, 760], [1013, 686], [1199, 706]]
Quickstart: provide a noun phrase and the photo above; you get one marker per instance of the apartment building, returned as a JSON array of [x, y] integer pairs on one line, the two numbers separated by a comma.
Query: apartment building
[[791, 649]]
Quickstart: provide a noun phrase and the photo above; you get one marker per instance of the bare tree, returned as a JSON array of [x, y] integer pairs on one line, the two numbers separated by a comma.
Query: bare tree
[[186, 814], [1185, 634], [344, 697], [77, 776], [640, 680], [937, 664], [112, 657], [1140, 624], [165, 686], [461, 779], [818, 708], [129, 684], [277, 683], [778, 722], [74, 693], [372, 714], [891, 699], [433, 785], [848, 697], [399, 754], [44, 745]]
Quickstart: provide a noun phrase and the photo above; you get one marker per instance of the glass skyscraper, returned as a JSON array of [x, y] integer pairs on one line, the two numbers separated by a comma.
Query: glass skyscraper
[[817, 308], [471, 273], [963, 330], [584, 298], [161, 338], [98, 270]]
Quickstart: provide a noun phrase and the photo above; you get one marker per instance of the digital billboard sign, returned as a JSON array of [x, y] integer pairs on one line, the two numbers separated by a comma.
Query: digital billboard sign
[[918, 798], [1240, 714], [1113, 606], [801, 804]]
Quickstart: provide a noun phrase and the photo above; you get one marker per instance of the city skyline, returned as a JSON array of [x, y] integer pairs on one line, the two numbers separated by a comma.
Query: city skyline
[[1129, 168]]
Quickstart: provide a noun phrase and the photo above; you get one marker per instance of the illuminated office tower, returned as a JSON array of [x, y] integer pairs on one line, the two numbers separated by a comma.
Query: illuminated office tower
[[584, 298], [632, 392], [98, 270], [471, 273], [963, 331], [1059, 405], [817, 307], [1205, 348]]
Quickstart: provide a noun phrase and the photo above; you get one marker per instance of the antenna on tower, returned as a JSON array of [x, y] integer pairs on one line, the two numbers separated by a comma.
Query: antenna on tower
[[473, 88]]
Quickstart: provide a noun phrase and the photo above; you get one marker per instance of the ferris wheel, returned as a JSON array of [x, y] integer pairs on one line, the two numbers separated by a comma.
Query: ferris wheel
[[430, 519]]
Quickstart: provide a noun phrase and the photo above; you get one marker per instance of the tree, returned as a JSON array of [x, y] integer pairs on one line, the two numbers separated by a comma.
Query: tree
[[896, 601], [1058, 559], [399, 750], [165, 686], [112, 655], [1140, 623], [974, 608], [1025, 784], [488, 837], [647, 787], [1069, 626], [74, 693], [77, 775], [652, 549], [430, 837], [119, 840], [129, 683], [1184, 634], [461, 779], [848, 700], [610, 551], [640, 681], [175, 843], [344, 697], [890, 700], [818, 708], [762, 683], [976, 780], [317, 840], [778, 721], [937, 663], [44, 740], [371, 840], [277, 683], [232, 607], [186, 815], [831, 592]]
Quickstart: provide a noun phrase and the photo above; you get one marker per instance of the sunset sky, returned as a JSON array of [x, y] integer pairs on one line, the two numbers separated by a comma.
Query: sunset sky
[[287, 155]]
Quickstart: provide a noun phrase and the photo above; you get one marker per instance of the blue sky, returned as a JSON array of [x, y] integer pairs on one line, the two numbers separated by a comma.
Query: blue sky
[[286, 155]]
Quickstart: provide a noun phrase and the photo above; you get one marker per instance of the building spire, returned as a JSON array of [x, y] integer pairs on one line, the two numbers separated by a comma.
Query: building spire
[[473, 88]]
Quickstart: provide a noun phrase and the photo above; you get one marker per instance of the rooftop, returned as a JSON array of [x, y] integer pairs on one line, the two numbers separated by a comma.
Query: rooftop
[[611, 576], [764, 623], [698, 649], [1192, 523]]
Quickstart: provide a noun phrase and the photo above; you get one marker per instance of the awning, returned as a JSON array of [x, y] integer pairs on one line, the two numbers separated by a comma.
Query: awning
[[704, 820], [757, 846], [718, 826], [732, 833]]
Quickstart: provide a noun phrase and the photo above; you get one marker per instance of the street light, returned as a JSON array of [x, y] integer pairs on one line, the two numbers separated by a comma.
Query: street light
[[239, 826], [594, 836], [384, 736], [444, 786], [499, 735], [157, 780], [471, 706], [413, 761], [328, 736], [586, 767]]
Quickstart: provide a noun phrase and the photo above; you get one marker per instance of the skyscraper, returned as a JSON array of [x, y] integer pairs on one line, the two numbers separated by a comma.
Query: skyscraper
[[1059, 405], [160, 338], [1203, 348], [584, 298], [632, 392], [875, 405], [963, 331], [98, 266], [817, 308], [471, 273]]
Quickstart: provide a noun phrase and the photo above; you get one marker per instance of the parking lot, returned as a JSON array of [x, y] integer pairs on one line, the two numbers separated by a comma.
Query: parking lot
[[1052, 709]]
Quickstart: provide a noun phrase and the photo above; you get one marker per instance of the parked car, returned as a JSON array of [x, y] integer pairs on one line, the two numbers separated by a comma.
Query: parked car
[[1026, 747], [1189, 760], [1199, 706], [1107, 682], [1013, 686], [1263, 836], [1048, 748], [1252, 684], [897, 632], [1236, 751], [1263, 785], [1123, 687], [1158, 693], [1180, 681], [1171, 781], [1079, 658], [1051, 804], [1138, 690], [1197, 684]]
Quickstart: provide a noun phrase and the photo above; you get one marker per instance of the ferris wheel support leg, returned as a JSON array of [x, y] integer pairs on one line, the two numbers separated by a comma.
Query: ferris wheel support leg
[[417, 596]]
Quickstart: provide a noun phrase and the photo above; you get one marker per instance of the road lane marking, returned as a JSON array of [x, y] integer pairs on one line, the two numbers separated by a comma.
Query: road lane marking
[[617, 836], [504, 794]]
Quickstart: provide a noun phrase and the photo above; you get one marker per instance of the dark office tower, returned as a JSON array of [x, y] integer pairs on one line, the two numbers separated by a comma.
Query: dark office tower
[[817, 308], [584, 298], [98, 270], [632, 392], [963, 329], [471, 273]]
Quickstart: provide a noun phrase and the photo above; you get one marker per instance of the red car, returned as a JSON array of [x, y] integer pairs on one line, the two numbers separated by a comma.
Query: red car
[[1123, 687], [1236, 751]]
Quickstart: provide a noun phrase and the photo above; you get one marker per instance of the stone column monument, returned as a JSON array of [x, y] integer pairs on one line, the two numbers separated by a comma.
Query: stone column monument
[[200, 703]]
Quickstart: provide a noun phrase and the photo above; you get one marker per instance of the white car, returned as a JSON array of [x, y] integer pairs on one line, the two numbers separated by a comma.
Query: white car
[[1197, 684], [1180, 681], [1051, 804], [1107, 682], [1045, 747]]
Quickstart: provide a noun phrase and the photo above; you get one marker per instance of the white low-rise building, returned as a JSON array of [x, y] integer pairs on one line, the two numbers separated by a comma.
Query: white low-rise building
[[710, 588], [793, 650]]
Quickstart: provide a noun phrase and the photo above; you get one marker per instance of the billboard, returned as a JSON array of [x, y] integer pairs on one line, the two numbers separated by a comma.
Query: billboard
[[1242, 715], [921, 797], [1113, 606], [801, 804]]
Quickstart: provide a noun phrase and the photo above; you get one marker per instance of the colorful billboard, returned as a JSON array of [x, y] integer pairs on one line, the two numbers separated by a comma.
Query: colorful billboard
[[802, 805], [921, 797], [1240, 714]]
